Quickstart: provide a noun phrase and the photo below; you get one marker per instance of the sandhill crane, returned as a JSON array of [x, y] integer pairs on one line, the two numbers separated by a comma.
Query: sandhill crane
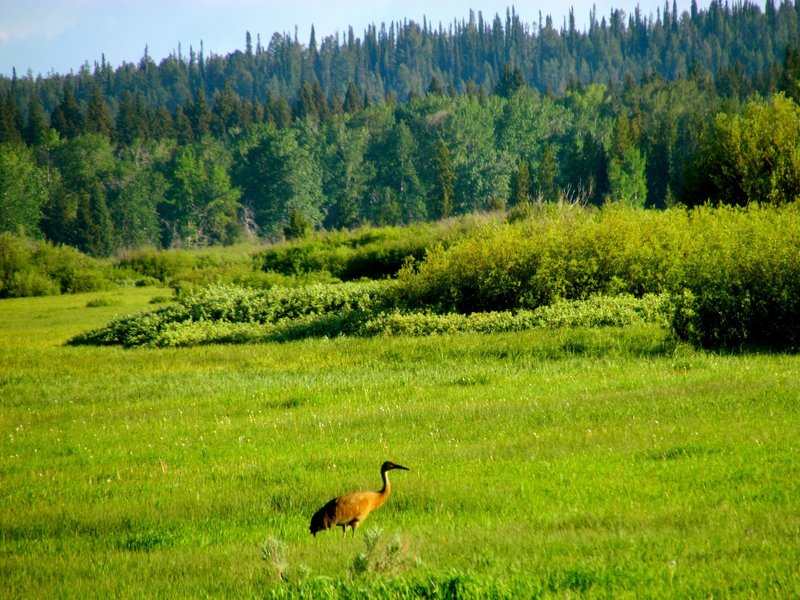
[[352, 509]]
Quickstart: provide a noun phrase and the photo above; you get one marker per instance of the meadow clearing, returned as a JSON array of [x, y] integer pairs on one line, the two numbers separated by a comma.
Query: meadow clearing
[[559, 462]]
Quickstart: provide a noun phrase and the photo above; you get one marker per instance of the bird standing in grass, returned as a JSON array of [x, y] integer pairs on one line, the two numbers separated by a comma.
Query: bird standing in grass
[[351, 509]]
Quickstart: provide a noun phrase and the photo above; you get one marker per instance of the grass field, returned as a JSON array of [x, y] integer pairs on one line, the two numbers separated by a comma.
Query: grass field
[[591, 462]]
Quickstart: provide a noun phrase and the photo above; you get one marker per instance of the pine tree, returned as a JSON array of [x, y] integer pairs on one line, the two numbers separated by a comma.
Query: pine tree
[[352, 100], [278, 111], [199, 115], [98, 119], [94, 226], [547, 173], [67, 118], [10, 120], [306, 106], [131, 123], [435, 86], [789, 79], [510, 81], [183, 127], [36, 128]]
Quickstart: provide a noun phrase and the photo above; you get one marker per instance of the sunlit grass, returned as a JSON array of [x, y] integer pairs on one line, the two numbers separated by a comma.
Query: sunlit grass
[[601, 462]]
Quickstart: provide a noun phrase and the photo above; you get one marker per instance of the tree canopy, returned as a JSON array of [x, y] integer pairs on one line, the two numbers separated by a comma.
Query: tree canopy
[[407, 123]]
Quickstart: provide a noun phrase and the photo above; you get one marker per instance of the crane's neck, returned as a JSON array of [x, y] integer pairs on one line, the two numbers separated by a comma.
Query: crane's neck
[[387, 486]]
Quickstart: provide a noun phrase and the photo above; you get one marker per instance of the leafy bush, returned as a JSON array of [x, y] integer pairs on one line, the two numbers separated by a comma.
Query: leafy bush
[[742, 279], [598, 311], [227, 314], [367, 253], [158, 264], [37, 268], [731, 276], [561, 253], [230, 313], [185, 270], [732, 273]]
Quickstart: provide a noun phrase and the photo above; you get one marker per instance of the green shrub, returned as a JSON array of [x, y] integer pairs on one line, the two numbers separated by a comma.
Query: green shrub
[[562, 253], [598, 311], [742, 279], [29, 282], [223, 312], [731, 275], [38, 268], [367, 253], [161, 265], [226, 314]]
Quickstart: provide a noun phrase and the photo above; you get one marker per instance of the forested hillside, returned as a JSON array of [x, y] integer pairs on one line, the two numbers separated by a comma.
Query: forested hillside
[[408, 122]]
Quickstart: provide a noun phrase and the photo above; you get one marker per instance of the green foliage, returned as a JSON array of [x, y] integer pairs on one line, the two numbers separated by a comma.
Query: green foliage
[[626, 166], [160, 265], [598, 311], [520, 192], [190, 269], [224, 313], [37, 268], [374, 253], [93, 222], [742, 280], [22, 190], [443, 190], [203, 205], [297, 226], [730, 276], [739, 268], [279, 176], [561, 253], [750, 157]]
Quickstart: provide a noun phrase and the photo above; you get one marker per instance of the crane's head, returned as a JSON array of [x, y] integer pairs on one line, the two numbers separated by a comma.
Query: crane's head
[[389, 465]]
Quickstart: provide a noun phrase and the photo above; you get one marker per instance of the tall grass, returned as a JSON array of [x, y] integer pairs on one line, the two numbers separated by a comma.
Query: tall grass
[[597, 462]]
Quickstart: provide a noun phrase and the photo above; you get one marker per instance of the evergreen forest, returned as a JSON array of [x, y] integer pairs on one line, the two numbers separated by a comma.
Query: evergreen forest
[[409, 122]]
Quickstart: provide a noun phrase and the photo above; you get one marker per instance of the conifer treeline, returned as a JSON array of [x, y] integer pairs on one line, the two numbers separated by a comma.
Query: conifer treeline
[[410, 122], [730, 41]]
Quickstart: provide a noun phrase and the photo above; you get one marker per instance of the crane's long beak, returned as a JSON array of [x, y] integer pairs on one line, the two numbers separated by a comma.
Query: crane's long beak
[[402, 467]]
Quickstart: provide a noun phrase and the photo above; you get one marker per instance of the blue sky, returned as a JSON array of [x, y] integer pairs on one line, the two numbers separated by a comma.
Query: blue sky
[[46, 36]]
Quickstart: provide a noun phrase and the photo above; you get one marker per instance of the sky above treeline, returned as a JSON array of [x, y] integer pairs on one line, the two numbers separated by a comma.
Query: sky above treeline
[[59, 36]]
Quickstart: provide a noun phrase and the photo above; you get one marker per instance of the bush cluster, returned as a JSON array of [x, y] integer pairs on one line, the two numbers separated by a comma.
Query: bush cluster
[[38, 268], [373, 253], [560, 253], [733, 273], [741, 280], [184, 270], [233, 313], [718, 277], [229, 314]]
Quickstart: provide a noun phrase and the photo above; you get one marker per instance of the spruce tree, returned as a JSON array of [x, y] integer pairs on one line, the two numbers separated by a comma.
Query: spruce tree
[[94, 225], [67, 118], [36, 127], [97, 118], [10, 120], [352, 100]]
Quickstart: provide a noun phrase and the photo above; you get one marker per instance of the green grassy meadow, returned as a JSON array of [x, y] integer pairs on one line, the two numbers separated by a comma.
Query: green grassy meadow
[[609, 462]]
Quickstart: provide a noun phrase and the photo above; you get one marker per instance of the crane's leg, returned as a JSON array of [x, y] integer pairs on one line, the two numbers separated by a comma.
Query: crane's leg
[[344, 531]]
